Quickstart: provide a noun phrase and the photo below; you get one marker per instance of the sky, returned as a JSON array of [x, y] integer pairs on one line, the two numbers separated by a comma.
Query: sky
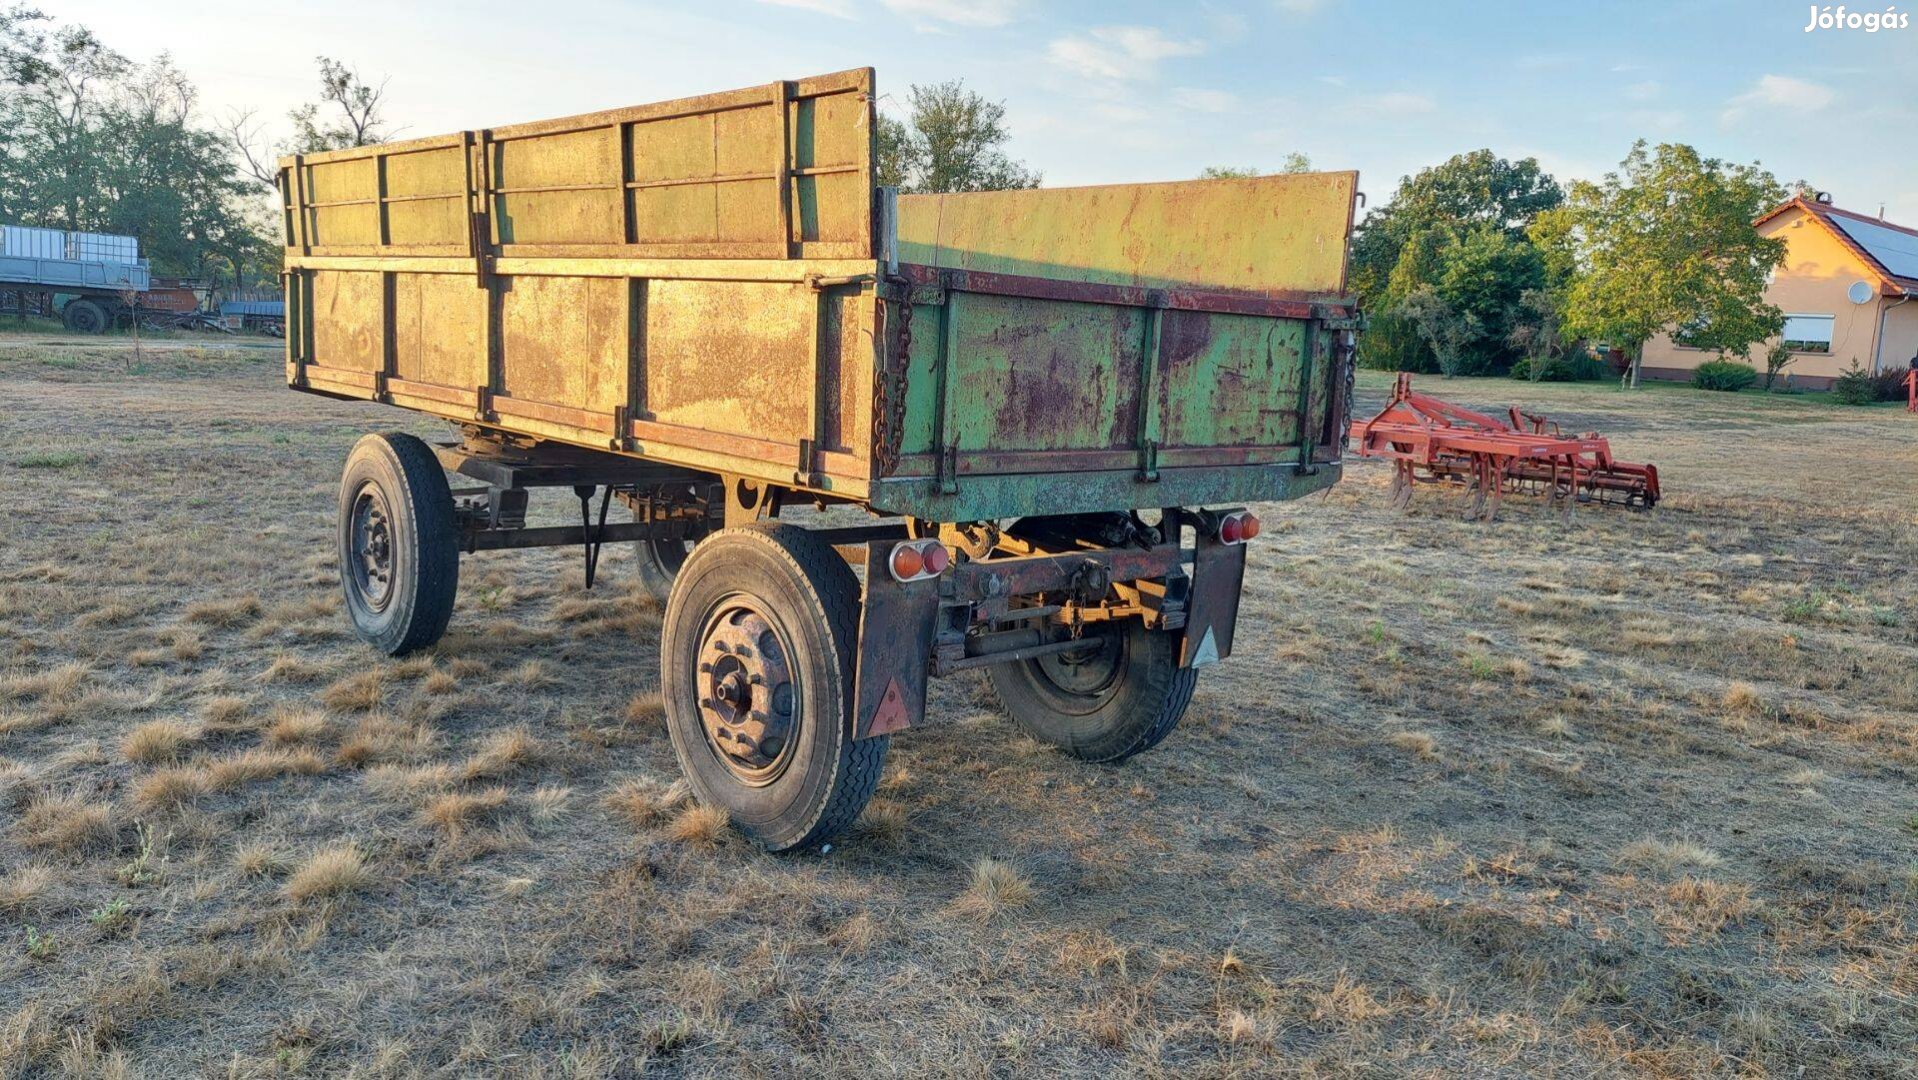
[[1123, 91]]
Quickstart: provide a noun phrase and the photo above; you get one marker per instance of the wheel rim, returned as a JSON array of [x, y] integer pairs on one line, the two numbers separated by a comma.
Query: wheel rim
[[748, 695], [371, 558], [1082, 680]]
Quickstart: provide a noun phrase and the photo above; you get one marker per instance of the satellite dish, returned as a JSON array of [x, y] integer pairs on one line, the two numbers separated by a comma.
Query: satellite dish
[[1859, 293]]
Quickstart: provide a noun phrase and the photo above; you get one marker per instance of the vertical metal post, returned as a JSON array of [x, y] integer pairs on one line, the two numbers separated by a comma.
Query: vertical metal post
[[1149, 388], [1308, 350], [379, 182], [783, 168], [945, 441]]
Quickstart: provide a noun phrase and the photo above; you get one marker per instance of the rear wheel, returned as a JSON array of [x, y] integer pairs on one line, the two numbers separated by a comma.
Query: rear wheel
[[756, 660], [1119, 695], [398, 543], [658, 562], [84, 317]]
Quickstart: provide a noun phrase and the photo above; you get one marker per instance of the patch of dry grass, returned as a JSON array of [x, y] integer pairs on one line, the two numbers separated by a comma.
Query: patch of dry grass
[[453, 811], [156, 741], [700, 826], [501, 754], [330, 872], [995, 888], [294, 726], [71, 822], [224, 613], [1666, 856], [362, 691]]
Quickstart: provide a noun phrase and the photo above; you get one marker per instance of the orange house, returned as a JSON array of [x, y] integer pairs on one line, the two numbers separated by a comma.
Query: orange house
[[1849, 290]]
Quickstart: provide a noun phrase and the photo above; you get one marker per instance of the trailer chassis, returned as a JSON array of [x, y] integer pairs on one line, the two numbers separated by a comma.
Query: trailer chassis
[[1017, 601]]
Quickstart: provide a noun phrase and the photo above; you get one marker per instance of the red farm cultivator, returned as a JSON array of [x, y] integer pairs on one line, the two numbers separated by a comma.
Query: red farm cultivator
[[1429, 440]]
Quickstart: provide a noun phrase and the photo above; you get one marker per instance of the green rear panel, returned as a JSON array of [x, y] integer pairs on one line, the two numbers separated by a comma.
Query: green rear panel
[[1058, 406]]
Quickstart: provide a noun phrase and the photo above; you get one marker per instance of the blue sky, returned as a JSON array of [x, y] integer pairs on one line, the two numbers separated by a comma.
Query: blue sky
[[1099, 92]]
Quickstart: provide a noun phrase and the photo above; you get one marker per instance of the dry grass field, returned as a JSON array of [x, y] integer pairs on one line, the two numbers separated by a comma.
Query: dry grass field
[[1629, 797]]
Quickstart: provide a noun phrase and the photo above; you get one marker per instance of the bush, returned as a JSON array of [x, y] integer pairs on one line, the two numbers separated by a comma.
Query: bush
[[1889, 385], [1855, 387], [1727, 375], [1571, 367]]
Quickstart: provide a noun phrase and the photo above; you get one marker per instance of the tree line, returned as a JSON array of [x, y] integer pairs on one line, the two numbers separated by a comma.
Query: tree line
[[1477, 265], [94, 142], [1481, 265]]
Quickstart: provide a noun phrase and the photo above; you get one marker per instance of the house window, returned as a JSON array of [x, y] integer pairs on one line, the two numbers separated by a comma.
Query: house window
[[1808, 333]]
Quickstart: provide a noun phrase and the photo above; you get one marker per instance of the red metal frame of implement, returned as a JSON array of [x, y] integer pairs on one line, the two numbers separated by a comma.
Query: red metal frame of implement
[[1429, 440]]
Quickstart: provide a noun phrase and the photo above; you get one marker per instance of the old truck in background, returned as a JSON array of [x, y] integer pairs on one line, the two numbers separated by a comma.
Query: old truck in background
[[100, 277], [1051, 405]]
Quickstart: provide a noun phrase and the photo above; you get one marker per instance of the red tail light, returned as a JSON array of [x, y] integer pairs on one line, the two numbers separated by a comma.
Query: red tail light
[[915, 559], [1232, 530], [936, 559], [1251, 526]]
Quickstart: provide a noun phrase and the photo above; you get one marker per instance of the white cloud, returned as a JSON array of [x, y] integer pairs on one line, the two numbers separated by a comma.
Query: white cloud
[[1300, 7], [838, 9], [1644, 91], [1779, 93], [1198, 100], [1119, 53], [1395, 103], [956, 12]]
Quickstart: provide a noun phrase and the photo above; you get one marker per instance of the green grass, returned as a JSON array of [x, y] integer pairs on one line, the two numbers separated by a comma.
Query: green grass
[[51, 459]]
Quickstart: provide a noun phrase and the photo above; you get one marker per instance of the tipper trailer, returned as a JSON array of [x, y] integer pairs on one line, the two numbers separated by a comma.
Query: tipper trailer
[[1054, 404]]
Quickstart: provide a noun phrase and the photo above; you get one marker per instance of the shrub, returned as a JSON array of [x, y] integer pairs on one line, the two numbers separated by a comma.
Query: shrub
[[1855, 387], [1889, 384], [1728, 375], [1572, 367], [1777, 359]]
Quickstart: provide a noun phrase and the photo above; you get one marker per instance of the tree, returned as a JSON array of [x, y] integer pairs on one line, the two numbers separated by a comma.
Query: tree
[[1476, 188], [951, 140], [90, 141], [1445, 329], [349, 113], [1473, 207], [1294, 162], [1667, 242]]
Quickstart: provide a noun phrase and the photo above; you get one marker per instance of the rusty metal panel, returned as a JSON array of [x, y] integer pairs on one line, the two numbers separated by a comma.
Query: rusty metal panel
[[557, 189], [897, 624], [563, 341], [733, 357], [776, 171], [439, 327], [1283, 235], [1026, 375], [426, 198], [346, 320], [1228, 380]]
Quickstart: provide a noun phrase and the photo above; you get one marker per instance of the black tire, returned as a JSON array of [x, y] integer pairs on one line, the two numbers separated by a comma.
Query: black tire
[[1120, 696], [787, 783], [399, 544], [84, 317], [658, 562]]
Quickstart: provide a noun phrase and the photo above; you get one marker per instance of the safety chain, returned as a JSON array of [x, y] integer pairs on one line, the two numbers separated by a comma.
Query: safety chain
[[889, 392]]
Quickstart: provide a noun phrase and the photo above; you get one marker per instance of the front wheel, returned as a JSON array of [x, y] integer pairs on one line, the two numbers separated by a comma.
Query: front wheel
[[1119, 695], [756, 660], [398, 543]]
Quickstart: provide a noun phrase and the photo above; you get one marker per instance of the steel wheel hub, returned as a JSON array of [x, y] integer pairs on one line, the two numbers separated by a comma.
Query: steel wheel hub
[[748, 703], [1085, 671], [372, 547]]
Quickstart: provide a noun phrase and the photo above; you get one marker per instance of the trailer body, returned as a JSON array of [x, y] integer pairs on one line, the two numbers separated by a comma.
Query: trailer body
[[706, 308], [715, 283]]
